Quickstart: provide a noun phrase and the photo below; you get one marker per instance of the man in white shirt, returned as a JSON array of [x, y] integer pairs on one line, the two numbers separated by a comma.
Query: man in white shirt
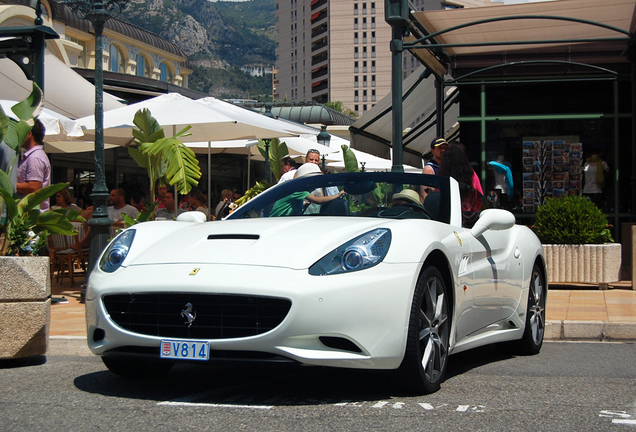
[[117, 206], [313, 156], [288, 168]]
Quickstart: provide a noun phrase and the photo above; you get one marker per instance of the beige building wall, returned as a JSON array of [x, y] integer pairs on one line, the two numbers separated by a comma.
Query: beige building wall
[[322, 60]]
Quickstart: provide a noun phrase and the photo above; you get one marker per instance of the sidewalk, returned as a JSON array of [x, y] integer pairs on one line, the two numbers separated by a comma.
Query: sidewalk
[[572, 313]]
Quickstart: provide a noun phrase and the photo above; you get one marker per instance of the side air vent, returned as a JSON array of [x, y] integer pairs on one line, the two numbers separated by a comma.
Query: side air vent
[[233, 237], [340, 344]]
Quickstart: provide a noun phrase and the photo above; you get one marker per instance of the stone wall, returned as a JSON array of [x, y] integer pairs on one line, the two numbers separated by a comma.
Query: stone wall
[[25, 306], [589, 264]]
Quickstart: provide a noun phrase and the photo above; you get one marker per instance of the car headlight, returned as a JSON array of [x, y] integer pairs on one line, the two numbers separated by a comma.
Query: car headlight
[[360, 253], [117, 251]]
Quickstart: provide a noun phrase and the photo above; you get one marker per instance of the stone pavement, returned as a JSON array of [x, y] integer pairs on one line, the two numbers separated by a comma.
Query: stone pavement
[[572, 313]]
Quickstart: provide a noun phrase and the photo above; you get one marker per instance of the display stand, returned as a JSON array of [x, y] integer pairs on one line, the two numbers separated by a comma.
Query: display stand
[[551, 169]]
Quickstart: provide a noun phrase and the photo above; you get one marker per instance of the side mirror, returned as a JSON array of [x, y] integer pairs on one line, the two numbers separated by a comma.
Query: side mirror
[[493, 219], [192, 216]]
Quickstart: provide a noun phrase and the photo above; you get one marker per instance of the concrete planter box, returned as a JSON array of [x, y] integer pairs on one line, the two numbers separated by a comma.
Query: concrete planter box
[[586, 264], [25, 306]]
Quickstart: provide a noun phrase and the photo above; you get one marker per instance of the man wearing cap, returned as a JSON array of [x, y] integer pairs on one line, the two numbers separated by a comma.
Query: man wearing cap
[[438, 147]]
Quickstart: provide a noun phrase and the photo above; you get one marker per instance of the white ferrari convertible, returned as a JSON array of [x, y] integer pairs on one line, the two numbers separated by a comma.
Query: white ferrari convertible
[[346, 270]]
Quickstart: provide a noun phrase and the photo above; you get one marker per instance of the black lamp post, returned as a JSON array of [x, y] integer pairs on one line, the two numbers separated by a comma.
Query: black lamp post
[[396, 14], [98, 12], [323, 138], [268, 113]]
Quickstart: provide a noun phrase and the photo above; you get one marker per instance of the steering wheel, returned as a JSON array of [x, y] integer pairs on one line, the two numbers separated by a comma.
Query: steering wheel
[[416, 207], [402, 211]]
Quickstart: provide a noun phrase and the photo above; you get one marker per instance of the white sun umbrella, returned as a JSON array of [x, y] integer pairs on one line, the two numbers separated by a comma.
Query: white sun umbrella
[[174, 112], [369, 161], [58, 127], [246, 115], [373, 163], [297, 147]]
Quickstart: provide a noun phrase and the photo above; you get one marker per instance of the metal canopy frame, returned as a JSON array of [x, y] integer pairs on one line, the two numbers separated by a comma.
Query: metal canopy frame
[[25, 47], [438, 58]]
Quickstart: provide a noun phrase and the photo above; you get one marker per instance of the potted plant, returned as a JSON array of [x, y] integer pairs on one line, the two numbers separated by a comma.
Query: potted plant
[[25, 289], [577, 241]]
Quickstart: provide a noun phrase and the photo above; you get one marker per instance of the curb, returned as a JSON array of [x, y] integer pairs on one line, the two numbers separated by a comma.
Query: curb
[[590, 330]]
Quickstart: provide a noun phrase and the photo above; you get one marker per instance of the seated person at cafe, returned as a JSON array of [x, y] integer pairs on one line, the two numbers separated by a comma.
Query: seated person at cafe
[[117, 206], [63, 201], [294, 203], [168, 212]]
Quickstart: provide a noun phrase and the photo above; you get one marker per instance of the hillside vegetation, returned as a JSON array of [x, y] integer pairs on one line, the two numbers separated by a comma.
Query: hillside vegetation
[[218, 38]]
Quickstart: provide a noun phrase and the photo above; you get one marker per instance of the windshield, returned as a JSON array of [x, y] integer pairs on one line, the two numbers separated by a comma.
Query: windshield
[[374, 194]]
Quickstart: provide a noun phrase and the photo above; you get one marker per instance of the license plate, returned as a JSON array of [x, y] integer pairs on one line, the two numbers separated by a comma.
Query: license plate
[[185, 349]]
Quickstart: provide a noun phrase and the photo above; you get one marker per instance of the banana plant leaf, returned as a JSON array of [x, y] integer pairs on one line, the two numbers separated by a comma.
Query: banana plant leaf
[[182, 165], [15, 132], [53, 222], [163, 157], [34, 199], [277, 151], [350, 159]]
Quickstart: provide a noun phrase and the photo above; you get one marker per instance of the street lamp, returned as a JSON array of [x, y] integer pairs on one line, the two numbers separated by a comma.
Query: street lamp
[[323, 138], [97, 12]]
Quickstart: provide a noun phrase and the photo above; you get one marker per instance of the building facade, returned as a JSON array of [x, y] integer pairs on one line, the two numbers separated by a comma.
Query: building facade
[[330, 50], [137, 64]]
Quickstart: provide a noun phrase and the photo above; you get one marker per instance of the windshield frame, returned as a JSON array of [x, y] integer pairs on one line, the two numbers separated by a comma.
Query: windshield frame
[[347, 181]]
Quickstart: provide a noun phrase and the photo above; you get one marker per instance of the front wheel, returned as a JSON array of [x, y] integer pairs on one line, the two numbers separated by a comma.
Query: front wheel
[[424, 365], [532, 339]]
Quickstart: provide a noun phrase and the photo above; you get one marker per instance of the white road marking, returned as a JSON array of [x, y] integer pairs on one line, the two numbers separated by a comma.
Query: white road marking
[[398, 405], [608, 413], [625, 422], [426, 406], [212, 405], [379, 405]]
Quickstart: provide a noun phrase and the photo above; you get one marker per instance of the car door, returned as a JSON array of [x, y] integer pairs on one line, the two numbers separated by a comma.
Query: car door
[[496, 268]]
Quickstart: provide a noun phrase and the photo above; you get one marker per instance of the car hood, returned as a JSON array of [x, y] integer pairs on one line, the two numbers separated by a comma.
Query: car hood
[[294, 243]]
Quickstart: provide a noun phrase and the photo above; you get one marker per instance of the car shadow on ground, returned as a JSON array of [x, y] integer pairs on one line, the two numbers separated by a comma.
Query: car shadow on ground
[[468, 360], [259, 385]]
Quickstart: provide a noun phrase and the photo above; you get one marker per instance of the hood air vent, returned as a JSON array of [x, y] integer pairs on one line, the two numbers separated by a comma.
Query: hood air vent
[[233, 237]]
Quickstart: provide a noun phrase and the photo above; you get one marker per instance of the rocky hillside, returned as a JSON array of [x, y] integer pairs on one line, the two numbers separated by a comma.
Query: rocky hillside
[[214, 35]]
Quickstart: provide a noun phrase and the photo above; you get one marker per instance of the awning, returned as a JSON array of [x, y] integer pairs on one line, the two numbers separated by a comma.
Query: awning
[[373, 131], [65, 91], [567, 37], [575, 30]]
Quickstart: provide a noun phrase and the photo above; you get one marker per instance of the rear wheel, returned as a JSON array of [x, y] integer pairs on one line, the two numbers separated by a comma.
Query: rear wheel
[[532, 339], [134, 368], [424, 366]]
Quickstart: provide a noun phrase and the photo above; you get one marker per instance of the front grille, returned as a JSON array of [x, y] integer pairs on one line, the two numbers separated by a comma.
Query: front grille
[[218, 316]]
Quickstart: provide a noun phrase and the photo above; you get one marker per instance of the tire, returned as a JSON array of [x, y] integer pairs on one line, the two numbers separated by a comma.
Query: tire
[[534, 331], [134, 368], [424, 365]]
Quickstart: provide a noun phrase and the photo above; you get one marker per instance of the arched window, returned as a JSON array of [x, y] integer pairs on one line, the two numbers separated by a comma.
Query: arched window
[[143, 66], [117, 60], [166, 73]]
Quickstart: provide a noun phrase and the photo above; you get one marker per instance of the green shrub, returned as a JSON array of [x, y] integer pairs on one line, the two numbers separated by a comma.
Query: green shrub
[[571, 220]]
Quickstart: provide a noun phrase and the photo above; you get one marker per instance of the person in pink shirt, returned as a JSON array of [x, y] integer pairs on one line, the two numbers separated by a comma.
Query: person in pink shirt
[[34, 171], [456, 164]]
